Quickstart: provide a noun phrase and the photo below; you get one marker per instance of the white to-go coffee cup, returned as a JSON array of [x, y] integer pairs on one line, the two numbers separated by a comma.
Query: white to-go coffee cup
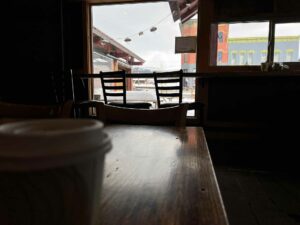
[[51, 171]]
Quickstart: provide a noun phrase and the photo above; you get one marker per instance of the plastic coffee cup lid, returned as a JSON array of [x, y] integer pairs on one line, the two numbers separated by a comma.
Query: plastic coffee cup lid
[[50, 143]]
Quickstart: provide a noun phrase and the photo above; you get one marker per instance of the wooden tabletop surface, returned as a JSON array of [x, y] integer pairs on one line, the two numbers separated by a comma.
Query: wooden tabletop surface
[[159, 176]]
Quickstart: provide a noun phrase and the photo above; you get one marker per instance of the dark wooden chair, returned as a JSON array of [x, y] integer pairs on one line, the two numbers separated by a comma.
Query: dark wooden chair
[[172, 116], [114, 86], [168, 85], [83, 106]]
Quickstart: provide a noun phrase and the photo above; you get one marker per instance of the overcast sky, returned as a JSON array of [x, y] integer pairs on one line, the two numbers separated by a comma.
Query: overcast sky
[[127, 20], [261, 29], [157, 48]]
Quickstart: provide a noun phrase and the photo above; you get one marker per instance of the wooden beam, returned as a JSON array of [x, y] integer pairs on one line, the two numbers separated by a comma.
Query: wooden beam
[[205, 18]]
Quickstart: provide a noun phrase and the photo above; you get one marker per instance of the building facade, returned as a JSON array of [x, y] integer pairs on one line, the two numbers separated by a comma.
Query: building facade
[[188, 60], [253, 50], [110, 55], [241, 50], [222, 46]]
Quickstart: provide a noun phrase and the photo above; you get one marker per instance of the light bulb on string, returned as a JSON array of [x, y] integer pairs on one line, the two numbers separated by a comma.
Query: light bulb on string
[[152, 29], [127, 39]]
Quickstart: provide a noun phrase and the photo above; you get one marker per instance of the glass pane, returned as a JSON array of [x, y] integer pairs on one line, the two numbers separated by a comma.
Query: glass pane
[[128, 37], [287, 42], [242, 43]]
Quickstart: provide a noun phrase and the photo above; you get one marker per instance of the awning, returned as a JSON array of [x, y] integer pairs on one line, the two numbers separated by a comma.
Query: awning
[[183, 9], [109, 46]]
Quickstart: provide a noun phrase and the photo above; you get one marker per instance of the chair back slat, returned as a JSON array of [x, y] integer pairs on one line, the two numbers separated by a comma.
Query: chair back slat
[[169, 95], [169, 81], [164, 86], [113, 81], [113, 74], [114, 94]]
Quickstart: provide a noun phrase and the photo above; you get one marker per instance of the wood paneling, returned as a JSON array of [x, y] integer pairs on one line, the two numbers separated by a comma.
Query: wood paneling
[[236, 10]]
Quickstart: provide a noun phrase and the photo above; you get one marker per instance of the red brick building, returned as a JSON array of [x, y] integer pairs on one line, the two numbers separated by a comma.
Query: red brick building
[[222, 52], [188, 60]]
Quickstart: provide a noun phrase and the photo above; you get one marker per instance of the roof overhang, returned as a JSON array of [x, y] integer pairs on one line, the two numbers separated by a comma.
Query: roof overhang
[[183, 9], [119, 50]]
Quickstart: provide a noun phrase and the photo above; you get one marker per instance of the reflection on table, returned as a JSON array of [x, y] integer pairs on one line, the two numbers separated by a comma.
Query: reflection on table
[[159, 175]]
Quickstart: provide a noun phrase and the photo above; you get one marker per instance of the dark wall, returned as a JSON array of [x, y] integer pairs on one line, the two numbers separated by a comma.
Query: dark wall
[[36, 33], [234, 10], [254, 99], [269, 108], [73, 34]]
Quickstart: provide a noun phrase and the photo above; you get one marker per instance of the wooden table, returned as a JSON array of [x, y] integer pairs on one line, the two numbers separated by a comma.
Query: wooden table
[[159, 176]]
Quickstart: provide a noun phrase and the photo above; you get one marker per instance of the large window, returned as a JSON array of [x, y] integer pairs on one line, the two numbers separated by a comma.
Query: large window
[[287, 42], [242, 43], [247, 44], [128, 37]]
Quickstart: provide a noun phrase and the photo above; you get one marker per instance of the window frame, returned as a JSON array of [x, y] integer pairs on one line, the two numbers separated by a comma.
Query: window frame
[[295, 66], [88, 49], [215, 67]]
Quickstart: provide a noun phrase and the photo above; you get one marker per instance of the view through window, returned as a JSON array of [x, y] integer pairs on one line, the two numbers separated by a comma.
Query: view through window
[[287, 42], [247, 43], [140, 38], [242, 43]]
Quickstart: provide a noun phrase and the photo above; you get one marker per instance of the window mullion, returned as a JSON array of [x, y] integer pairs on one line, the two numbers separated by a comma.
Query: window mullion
[[271, 42]]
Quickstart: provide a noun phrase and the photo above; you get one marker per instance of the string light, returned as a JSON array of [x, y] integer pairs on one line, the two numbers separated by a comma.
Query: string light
[[127, 39], [153, 28]]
